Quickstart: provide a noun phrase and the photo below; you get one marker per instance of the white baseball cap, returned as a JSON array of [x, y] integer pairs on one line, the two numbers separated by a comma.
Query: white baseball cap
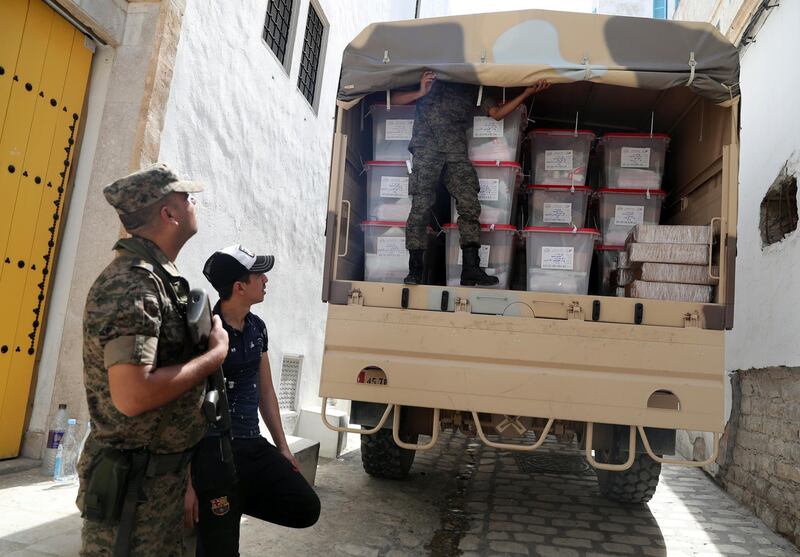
[[230, 264]]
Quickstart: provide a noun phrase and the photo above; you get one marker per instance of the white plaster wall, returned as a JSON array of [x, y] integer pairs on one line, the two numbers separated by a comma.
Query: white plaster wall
[[767, 296], [237, 122]]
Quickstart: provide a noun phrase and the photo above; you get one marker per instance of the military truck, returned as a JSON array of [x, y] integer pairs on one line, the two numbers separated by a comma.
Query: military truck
[[617, 375]]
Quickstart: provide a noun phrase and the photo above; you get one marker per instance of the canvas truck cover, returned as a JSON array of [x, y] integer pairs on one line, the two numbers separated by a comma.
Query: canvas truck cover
[[508, 49]]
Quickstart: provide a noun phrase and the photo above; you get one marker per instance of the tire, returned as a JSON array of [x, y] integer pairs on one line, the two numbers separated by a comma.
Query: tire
[[635, 485], [382, 458]]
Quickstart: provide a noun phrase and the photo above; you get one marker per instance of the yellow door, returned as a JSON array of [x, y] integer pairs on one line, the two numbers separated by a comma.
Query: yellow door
[[44, 67]]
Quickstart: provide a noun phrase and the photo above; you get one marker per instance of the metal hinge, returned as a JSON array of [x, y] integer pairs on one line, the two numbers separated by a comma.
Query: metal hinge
[[462, 304], [356, 298], [574, 311], [691, 319]]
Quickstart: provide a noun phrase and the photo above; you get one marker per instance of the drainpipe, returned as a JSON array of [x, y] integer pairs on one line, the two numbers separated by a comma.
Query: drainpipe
[[416, 11]]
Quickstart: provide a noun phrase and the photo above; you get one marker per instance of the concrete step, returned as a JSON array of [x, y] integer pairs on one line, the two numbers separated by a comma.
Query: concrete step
[[306, 452]]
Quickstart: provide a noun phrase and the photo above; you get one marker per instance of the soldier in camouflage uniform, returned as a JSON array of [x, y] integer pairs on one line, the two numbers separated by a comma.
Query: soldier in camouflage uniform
[[143, 386], [439, 146]]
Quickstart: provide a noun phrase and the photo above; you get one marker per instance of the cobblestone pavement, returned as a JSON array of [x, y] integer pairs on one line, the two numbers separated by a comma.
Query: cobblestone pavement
[[462, 499], [466, 499]]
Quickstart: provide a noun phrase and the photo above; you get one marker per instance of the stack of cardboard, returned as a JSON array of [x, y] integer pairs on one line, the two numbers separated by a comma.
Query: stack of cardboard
[[668, 263]]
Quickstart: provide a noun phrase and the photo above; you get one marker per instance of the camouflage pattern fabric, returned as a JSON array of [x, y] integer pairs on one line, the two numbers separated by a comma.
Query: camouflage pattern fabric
[[443, 117], [145, 187], [159, 523], [129, 318], [461, 180]]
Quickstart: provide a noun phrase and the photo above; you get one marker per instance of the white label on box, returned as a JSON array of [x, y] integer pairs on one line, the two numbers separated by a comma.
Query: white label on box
[[394, 186], [391, 246], [483, 256], [628, 215], [489, 189], [399, 130], [560, 159], [483, 126], [635, 157], [557, 257], [558, 212]]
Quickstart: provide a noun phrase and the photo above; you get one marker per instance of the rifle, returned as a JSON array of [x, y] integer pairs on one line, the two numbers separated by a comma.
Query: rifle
[[215, 405]]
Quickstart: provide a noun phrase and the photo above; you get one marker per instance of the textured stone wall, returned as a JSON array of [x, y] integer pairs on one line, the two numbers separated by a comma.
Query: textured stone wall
[[761, 463]]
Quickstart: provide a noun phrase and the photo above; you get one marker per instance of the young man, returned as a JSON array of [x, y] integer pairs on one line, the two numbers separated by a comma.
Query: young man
[[439, 145], [144, 388], [268, 483]]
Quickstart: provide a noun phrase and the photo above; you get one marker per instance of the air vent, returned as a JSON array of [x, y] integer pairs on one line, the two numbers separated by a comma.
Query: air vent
[[290, 380]]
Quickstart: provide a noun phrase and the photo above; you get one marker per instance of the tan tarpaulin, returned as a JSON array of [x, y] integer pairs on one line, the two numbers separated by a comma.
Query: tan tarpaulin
[[509, 49]]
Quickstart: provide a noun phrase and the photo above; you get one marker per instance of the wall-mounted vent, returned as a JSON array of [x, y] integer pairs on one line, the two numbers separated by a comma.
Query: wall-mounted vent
[[291, 365]]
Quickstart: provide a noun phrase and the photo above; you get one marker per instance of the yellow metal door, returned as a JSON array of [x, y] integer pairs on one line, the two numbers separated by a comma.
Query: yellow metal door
[[44, 68]]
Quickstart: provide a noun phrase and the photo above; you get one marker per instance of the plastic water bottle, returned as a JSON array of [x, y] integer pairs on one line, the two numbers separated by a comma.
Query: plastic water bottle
[[67, 454], [85, 437], [54, 435]]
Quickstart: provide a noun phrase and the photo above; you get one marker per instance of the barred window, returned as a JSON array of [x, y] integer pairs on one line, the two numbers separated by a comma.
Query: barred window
[[277, 26], [312, 48]]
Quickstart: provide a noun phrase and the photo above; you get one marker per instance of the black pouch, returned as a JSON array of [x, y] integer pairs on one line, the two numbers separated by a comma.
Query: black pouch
[[107, 485]]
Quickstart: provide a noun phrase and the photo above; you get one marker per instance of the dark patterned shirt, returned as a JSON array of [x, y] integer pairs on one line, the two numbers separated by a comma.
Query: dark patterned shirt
[[241, 370]]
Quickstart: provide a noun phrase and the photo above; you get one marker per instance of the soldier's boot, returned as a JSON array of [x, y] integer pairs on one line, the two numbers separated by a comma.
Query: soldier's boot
[[471, 273], [416, 258]]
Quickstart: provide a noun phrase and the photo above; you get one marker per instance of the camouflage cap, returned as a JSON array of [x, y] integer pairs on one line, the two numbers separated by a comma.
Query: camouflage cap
[[145, 187]]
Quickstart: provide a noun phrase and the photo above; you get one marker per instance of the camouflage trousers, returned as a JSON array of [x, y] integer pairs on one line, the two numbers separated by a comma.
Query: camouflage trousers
[[458, 175], [159, 523]]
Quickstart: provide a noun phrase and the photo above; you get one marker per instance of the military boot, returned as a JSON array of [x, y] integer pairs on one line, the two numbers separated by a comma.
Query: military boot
[[416, 258], [471, 273]]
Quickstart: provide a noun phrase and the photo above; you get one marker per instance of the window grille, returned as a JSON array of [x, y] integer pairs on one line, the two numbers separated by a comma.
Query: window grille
[[277, 25], [290, 380], [309, 62]]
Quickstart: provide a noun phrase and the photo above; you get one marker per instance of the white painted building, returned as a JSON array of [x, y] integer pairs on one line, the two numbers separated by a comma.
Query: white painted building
[[200, 85], [237, 121], [760, 461]]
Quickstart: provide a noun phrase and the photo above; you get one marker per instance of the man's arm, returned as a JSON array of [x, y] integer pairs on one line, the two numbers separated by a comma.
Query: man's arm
[[136, 389], [503, 110], [407, 97], [270, 410]]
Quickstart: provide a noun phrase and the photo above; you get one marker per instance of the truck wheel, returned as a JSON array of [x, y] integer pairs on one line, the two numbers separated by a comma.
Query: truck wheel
[[637, 484], [382, 458]]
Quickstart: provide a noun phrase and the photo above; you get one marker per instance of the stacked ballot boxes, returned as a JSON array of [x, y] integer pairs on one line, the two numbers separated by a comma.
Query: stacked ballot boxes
[[560, 157], [498, 183], [387, 191], [495, 253], [385, 255], [559, 259], [557, 206], [391, 131], [496, 140], [634, 160], [622, 209]]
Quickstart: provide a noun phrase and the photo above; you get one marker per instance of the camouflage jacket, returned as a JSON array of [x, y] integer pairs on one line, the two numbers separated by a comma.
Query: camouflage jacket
[[444, 115], [129, 318]]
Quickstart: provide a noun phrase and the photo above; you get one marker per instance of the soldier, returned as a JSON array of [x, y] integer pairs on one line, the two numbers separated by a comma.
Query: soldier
[[439, 146], [144, 385]]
